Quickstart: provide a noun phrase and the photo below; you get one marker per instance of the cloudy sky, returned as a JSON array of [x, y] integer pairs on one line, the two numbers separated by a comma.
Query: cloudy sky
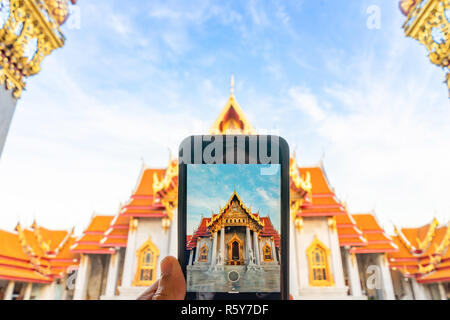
[[135, 78], [209, 187]]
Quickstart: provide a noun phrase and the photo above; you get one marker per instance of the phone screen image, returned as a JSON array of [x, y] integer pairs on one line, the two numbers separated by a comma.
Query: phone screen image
[[233, 223]]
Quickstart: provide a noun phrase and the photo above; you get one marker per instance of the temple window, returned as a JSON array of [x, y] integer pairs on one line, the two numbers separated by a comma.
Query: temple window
[[147, 257], [267, 250], [204, 253], [319, 268]]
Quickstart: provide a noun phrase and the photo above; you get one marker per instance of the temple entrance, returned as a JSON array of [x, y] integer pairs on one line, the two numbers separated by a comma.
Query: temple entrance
[[235, 246], [235, 251]]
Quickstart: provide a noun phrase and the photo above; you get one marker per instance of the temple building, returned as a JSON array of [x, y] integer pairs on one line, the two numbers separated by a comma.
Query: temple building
[[36, 263], [334, 254], [235, 239], [29, 31], [421, 267]]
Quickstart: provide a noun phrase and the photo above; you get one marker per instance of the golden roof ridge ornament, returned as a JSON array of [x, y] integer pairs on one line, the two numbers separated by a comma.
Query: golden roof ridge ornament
[[428, 21], [29, 32], [241, 203], [231, 119]]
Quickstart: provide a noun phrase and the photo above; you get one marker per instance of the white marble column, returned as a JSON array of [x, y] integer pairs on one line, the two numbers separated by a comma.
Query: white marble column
[[197, 251], [81, 282], [353, 274], [274, 252], [9, 291], [214, 250], [293, 261], [386, 278], [64, 288], [48, 292], [28, 288], [419, 290], [129, 268], [222, 244], [191, 256], [248, 246], [113, 274], [336, 260], [442, 291], [256, 248]]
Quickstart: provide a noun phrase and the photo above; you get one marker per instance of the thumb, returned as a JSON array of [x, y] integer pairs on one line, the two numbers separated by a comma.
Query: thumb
[[172, 285]]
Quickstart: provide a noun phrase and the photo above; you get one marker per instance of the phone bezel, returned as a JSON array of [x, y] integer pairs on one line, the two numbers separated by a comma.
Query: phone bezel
[[283, 149]]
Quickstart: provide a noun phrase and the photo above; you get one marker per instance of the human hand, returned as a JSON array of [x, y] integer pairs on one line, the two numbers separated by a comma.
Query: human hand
[[170, 286]]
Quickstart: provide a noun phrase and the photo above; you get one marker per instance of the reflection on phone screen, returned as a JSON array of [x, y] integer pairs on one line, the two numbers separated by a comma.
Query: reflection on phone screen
[[233, 228]]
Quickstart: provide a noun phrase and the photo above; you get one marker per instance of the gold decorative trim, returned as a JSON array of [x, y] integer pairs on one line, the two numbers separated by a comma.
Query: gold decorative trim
[[321, 265], [267, 247], [422, 245], [203, 257], [230, 242], [426, 18], [144, 266], [28, 21], [217, 222]]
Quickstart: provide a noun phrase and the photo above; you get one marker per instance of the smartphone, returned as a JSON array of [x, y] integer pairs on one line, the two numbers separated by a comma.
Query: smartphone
[[233, 217]]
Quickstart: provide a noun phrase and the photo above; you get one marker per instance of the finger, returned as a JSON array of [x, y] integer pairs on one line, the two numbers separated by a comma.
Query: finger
[[172, 285], [150, 292]]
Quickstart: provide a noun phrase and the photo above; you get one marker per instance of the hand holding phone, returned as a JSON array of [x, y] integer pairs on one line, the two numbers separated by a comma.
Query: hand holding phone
[[233, 217]]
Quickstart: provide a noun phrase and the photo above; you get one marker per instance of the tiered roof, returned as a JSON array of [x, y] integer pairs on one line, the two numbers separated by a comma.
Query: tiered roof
[[377, 240], [36, 254], [90, 241], [322, 200], [423, 252], [144, 201], [270, 231], [348, 231]]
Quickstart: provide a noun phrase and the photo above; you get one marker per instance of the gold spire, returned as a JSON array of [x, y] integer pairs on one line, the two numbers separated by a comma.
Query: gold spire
[[232, 119]]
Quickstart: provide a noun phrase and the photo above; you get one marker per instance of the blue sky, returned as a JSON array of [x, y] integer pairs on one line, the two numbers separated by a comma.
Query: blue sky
[[137, 77], [211, 186]]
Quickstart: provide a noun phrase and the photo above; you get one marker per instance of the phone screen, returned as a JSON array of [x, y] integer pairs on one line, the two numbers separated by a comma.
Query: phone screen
[[233, 224]]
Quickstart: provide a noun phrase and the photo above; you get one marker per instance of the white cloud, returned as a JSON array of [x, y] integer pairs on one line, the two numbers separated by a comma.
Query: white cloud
[[303, 99], [385, 136]]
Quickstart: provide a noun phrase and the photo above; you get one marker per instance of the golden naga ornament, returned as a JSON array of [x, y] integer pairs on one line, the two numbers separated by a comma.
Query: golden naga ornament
[[29, 31], [59, 9], [428, 21]]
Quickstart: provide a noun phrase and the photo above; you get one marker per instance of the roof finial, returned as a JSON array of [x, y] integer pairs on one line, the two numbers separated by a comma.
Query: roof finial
[[232, 85]]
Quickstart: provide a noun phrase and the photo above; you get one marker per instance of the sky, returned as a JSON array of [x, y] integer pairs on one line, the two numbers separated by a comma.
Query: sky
[[209, 187], [338, 79]]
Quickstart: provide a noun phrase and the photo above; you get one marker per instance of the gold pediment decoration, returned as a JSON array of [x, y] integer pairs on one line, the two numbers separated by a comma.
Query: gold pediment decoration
[[231, 119], [235, 213]]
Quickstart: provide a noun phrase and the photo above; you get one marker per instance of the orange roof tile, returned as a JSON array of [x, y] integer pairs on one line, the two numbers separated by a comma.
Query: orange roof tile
[[436, 276], [13, 249], [142, 202], [90, 241], [323, 201], [9, 273], [348, 232], [377, 240]]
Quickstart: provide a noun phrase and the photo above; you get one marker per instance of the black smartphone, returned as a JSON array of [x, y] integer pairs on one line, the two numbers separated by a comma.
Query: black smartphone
[[233, 217]]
